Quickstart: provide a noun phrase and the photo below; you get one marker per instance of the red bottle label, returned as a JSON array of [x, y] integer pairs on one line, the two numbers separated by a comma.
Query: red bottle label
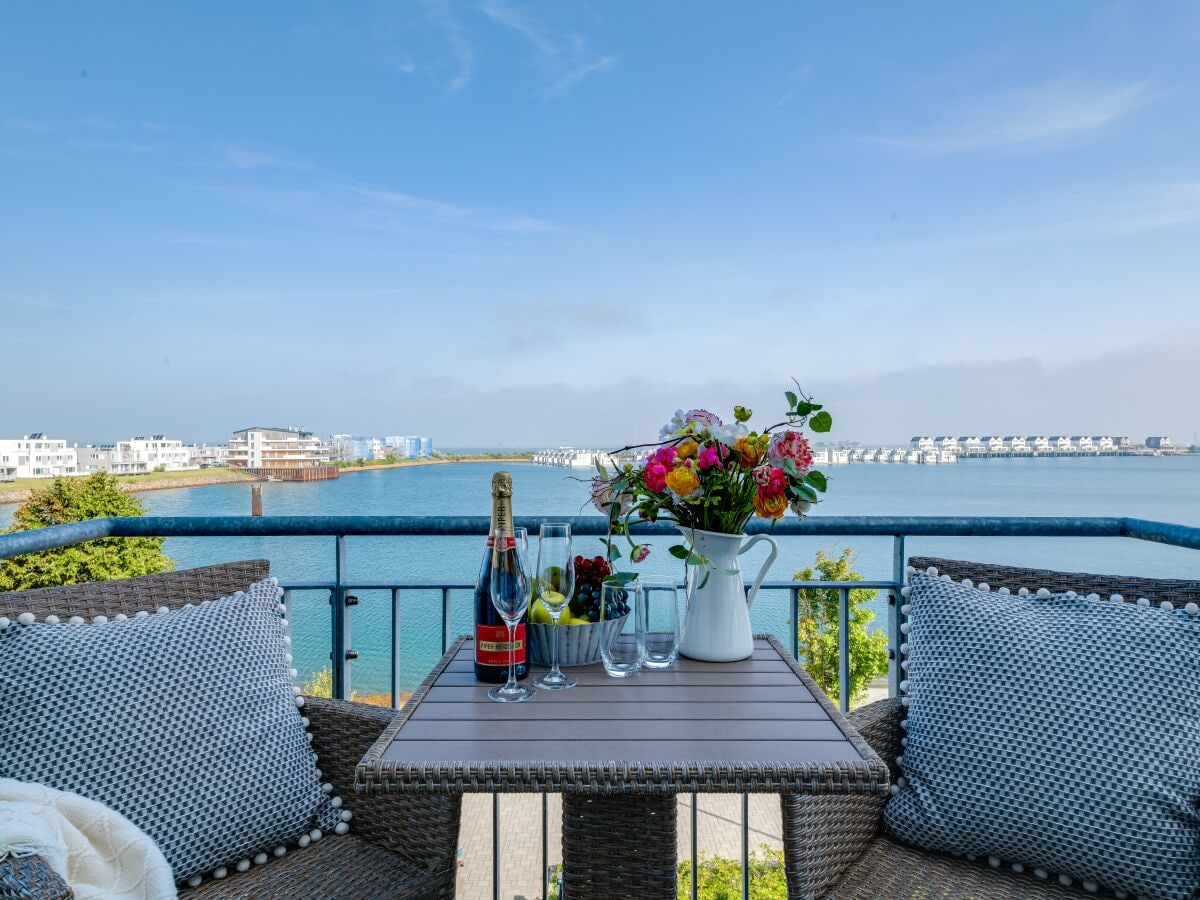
[[491, 644]]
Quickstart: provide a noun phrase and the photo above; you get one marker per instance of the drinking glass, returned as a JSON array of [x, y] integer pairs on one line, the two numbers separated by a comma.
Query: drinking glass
[[623, 638], [510, 596], [660, 620], [555, 585]]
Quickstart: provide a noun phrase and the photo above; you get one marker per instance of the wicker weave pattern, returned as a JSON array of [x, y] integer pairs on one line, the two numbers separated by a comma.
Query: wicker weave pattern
[[29, 878], [613, 843], [888, 869], [128, 595], [398, 847], [1155, 589], [867, 776]]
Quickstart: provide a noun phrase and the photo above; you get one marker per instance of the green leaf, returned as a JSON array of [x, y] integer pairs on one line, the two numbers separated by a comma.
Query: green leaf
[[600, 468], [621, 578], [791, 398], [821, 422], [789, 466], [816, 479], [679, 551], [614, 552], [803, 409], [806, 492]]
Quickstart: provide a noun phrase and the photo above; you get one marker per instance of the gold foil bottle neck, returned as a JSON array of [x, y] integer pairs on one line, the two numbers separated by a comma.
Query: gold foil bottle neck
[[502, 484]]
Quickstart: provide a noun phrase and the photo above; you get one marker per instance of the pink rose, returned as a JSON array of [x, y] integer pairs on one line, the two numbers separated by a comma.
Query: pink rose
[[656, 476], [762, 476], [640, 552], [708, 458]]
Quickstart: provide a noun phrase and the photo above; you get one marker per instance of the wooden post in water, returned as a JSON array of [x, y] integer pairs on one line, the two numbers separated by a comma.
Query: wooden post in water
[[256, 499]]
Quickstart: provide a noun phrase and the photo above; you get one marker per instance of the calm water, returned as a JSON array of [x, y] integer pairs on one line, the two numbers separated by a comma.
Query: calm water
[[1166, 489]]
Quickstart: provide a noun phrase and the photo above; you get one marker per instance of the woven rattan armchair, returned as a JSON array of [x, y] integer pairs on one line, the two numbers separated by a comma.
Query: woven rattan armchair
[[398, 846], [873, 865]]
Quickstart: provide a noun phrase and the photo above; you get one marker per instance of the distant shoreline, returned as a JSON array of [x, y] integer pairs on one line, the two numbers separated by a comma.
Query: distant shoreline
[[226, 476]]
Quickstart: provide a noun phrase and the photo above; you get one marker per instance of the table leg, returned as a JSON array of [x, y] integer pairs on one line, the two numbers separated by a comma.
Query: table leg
[[619, 845], [823, 835]]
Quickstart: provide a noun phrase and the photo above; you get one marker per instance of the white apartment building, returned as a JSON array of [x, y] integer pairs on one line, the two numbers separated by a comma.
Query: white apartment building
[[1103, 442], [995, 444], [1083, 443], [135, 456], [1016, 443], [1039, 443], [260, 447], [945, 442], [1061, 443], [922, 443], [36, 456], [970, 442]]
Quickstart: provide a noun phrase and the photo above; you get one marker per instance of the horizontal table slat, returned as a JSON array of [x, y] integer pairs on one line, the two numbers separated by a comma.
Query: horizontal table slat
[[638, 693], [532, 752], [486, 710], [762, 651], [595, 676], [557, 735]]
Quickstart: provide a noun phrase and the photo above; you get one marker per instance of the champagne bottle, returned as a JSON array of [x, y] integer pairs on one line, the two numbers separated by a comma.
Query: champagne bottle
[[491, 633]]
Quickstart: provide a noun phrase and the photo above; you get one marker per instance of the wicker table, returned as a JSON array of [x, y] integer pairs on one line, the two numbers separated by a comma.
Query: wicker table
[[620, 749]]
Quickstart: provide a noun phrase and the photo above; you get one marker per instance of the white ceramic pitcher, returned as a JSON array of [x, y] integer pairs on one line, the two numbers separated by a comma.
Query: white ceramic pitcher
[[717, 625]]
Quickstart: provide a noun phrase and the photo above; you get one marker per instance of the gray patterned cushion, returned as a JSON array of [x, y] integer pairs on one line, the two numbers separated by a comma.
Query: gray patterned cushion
[[1057, 734], [185, 722]]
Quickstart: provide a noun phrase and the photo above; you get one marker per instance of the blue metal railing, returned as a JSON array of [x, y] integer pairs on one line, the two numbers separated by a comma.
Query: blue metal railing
[[342, 599]]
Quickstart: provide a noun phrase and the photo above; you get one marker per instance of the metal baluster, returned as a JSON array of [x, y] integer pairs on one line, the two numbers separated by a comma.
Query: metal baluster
[[844, 649], [340, 630], [395, 648], [545, 846], [895, 616], [495, 847], [795, 623], [445, 618], [745, 847], [287, 604], [695, 803]]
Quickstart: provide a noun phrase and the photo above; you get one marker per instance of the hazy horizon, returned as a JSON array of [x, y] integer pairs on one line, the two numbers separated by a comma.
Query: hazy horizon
[[495, 222]]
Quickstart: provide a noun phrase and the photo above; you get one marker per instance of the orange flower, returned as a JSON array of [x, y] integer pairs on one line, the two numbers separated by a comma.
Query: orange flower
[[770, 507], [684, 480], [686, 449], [747, 451]]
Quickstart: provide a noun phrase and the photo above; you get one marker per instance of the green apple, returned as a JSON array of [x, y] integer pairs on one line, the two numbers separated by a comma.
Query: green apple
[[538, 614]]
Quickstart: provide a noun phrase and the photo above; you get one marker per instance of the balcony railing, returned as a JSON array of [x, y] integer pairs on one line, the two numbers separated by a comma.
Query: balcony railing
[[342, 599]]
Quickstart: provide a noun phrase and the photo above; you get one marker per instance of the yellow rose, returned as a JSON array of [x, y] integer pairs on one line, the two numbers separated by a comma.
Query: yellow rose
[[686, 449], [683, 481], [747, 451], [769, 507]]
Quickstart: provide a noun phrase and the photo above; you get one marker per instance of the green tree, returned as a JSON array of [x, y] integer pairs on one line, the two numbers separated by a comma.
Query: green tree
[[817, 628], [67, 500]]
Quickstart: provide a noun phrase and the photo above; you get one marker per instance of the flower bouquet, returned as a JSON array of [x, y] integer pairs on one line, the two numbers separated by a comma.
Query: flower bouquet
[[710, 478]]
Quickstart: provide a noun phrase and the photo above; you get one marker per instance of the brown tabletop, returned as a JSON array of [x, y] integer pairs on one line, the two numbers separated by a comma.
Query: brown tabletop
[[755, 725]]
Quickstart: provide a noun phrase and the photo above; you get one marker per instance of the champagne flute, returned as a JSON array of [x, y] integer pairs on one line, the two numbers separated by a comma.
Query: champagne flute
[[555, 585], [510, 595]]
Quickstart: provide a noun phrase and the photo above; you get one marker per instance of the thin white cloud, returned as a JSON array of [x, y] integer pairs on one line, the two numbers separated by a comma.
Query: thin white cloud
[[243, 156], [456, 40], [576, 75], [545, 40], [1041, 118]]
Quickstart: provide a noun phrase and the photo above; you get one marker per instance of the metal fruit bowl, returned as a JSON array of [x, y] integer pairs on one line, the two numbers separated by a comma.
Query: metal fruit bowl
[[578, 645]]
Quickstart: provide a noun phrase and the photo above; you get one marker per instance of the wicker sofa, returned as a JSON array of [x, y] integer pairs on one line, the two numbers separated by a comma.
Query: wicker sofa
[[397, 847], [875, 865]]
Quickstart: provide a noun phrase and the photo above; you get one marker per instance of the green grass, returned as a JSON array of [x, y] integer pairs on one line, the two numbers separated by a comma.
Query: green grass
[[31, 484]]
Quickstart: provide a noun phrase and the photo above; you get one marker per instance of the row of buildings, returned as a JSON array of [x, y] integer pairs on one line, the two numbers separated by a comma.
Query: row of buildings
[[258, 448], [1041, 445]]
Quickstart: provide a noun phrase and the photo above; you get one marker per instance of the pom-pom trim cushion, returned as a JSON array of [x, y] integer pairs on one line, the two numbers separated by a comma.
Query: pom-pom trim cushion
[[187, 722], [1053, 733]]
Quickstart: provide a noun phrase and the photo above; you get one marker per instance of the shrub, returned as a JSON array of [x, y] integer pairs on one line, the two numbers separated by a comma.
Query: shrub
[[817, 628], [67, 500]]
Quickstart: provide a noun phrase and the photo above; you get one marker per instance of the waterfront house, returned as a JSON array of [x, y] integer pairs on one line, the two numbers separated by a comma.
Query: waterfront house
[[1038, 443], [135, 456], [1123, 442], [37, 456], [267, 449], [1082, 443], [946, 442], [970, 443], [208, 456], [1061, 443], [1103, 443], [1015, 443], [1159, 442], [995, 444], [922, 443]]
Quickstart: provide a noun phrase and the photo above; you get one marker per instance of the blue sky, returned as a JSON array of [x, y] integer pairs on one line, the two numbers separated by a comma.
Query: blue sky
[[502, 222]]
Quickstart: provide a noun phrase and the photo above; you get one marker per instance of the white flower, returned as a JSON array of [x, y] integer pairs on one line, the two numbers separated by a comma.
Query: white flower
[[728, 434], [800, 507], [673, 427]]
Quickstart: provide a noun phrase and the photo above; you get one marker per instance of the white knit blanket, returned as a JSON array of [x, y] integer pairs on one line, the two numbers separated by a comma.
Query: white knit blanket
[[100, 853]]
